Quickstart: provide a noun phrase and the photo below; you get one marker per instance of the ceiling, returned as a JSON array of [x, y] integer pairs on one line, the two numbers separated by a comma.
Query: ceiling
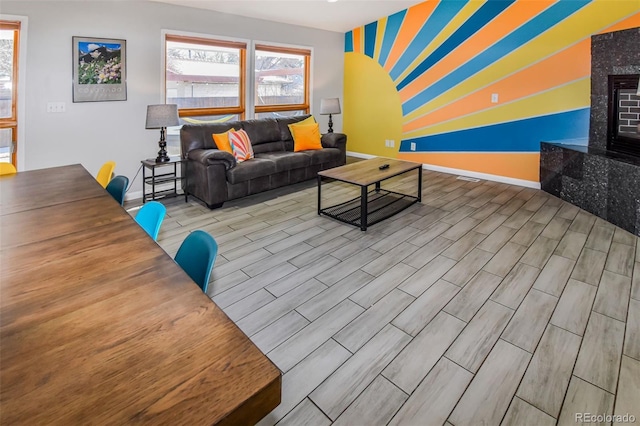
[[340, 16]]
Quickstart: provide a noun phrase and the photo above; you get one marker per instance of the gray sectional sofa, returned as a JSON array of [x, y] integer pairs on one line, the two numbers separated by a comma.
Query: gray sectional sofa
[[214, 176]]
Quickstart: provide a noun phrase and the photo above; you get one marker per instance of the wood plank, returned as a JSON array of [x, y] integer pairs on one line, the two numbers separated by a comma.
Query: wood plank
[[376, 405], [613, 295], [471, 298], [515, 286], [530, 320], [313, 335], [367, 172], [547, 378], [414, 362], [522, 414], [374, 319], [505, 259], [487, 398], [584, 398], [465, 269], [599, 357], [589, 267], [436, 396], [474, 343], [305, 413], [343, 387], [421, 311], [305, 377], [554, 275], [632, 333], [620, 259], [574, 307], [426, 276], [628, 390]]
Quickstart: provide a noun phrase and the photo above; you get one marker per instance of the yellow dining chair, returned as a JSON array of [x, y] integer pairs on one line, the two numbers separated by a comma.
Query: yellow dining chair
[[7, 169], [105, 173]]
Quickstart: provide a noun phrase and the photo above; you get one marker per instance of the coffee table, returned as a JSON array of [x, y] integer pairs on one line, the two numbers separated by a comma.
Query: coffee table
[[371, 206]]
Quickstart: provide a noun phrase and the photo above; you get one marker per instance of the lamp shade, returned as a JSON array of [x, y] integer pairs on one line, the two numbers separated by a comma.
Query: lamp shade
[[329, 106], [163, 115]]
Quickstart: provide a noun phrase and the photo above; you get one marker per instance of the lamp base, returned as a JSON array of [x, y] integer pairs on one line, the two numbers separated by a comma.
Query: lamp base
[[330, 125], [162, 154]]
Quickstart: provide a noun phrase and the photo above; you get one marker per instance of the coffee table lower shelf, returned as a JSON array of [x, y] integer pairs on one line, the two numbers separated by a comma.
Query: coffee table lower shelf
[[381, 204]]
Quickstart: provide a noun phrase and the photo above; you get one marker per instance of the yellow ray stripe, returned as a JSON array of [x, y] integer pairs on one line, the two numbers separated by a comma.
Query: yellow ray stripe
[[568, 97], [382, 26], [589, 20], [463, 15]]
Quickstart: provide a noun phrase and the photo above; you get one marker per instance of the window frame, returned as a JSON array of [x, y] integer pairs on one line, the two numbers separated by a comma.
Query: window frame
[[307, 52], [11, 122], [243, 45]]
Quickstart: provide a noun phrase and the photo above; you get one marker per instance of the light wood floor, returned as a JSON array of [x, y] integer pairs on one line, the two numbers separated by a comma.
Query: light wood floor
[[485, 304]]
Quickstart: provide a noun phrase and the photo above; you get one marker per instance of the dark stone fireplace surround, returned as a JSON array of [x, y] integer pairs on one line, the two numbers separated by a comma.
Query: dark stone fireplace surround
[[601, 182]]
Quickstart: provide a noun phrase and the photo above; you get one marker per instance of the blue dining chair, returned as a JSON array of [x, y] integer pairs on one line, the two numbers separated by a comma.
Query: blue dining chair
[[196, 256], [117, 187], [150, 217]]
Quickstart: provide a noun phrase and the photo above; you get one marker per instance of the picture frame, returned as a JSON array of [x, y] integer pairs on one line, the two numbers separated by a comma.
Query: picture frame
[[99, 69]]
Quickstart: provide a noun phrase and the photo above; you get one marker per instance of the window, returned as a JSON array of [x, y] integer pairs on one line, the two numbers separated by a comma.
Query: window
[[9, 41], [205, 78], [281, 81]]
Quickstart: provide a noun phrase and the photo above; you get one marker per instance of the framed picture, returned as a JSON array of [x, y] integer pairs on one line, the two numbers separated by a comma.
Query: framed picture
[[99, 69]]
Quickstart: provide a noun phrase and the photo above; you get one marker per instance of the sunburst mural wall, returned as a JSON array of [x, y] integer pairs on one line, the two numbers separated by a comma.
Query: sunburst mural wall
[[476, 85]]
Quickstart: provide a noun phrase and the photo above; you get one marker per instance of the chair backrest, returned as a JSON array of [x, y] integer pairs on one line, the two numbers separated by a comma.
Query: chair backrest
[[117, 187], [105, 172], [150, 217], [7, 169], [196, 256]]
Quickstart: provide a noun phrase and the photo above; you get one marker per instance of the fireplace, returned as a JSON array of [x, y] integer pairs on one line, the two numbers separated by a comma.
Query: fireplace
[[623, 118], [602, 175]]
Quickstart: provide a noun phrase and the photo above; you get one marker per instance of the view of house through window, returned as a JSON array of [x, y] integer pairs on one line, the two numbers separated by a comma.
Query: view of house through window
[[281, 81], [206, 79]]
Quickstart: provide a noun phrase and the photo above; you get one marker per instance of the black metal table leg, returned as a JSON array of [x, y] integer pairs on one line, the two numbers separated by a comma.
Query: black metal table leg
[[319, 194], [420, 184], [363, 208], [144, 184]]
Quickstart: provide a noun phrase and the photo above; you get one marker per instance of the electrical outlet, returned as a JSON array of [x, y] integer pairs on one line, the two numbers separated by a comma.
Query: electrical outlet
[[386, 143], [392, 143], [413, 146], [56, 107], [494, 98]]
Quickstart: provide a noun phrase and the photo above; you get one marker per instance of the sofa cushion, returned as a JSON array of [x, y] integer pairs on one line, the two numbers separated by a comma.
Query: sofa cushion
[[262, 130], [322, 156], [283, 123], [251, 169], [195, 136], [269, 147], [287, 160]]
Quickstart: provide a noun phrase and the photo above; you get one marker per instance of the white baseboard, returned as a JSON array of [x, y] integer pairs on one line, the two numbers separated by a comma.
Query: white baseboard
[[137, 195], [460, 172]]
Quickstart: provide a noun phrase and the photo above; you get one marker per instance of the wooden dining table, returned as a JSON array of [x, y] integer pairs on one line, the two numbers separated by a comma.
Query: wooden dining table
[[98, 325]]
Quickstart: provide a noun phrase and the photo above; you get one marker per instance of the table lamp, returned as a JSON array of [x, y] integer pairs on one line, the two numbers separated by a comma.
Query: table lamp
[[160, 117], [330, 106]]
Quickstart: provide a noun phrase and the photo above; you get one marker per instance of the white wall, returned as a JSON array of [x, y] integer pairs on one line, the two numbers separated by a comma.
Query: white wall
[[91, 133]]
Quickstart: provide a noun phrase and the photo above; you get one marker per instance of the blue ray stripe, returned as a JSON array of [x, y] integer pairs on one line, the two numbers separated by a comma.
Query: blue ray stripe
[[348, 42], [508, 44], [443, 13], [370, 38], [485, 14], [394, 22], [516, 136]]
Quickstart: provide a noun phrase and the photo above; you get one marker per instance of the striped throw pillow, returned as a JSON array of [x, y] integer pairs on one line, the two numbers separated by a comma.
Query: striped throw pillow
[[241, 145]]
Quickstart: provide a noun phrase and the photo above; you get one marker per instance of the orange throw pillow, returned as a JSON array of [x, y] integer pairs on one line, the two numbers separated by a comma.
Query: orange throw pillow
[[222, 141], [306, 137]]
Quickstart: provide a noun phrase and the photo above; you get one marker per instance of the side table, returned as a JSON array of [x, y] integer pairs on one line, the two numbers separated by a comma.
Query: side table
[[162, 177]]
